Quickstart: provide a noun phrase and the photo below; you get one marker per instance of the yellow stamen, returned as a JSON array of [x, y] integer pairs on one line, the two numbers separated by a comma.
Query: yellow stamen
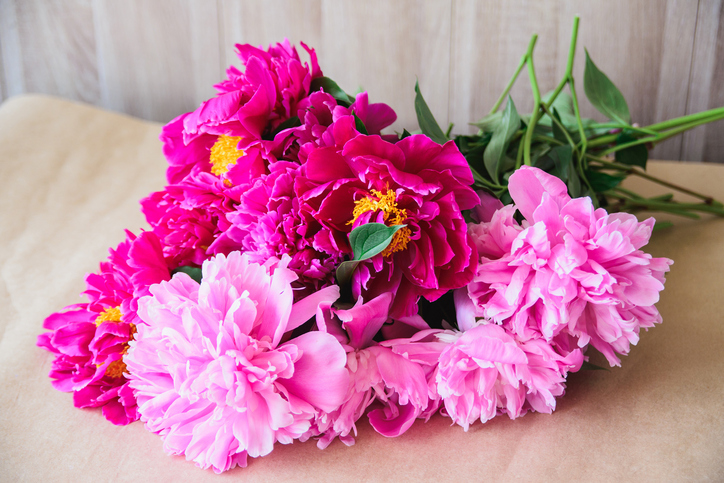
[[118, 367], [392, 215], [111, 314], [224, 154]]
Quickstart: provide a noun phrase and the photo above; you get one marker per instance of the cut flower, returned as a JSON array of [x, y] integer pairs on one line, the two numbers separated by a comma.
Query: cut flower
[[213, 372]]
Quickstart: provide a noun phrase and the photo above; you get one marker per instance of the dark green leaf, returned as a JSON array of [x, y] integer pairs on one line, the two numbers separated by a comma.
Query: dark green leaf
[[574, 184], [371, 238], [345, 271], [634, 155], [562, 157], [291, 122], [601, 181], [587, 366], [330, 87], [603, 94], [660, 225], [359, 125], [503, 132], [193, 272], [427, 122], [405, 133], [557, 131]]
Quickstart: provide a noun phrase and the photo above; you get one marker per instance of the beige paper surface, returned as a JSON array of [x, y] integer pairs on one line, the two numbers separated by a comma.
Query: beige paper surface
[[71, 177]]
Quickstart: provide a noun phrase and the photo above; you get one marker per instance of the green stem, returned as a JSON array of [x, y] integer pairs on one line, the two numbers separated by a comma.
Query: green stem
[[631, 170], [561, 127], [714, 114], [615, 125], [518, 69], [569, 65], [519, 155], [537, 101]]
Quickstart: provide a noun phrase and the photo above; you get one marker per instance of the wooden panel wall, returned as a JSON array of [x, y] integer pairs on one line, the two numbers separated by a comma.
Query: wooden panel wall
[[158, 59]]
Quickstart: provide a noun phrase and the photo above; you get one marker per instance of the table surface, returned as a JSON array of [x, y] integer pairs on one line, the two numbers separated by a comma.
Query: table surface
[[70, 180]]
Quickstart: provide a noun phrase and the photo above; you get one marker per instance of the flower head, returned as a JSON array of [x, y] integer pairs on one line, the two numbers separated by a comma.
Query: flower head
[[415, 182], [90, 340], [567, 270], [211, 371]]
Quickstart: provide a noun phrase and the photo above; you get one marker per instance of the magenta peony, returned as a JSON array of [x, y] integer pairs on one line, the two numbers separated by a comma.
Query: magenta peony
[[89, 340], [569, 271], [415, 182], [214, 373]]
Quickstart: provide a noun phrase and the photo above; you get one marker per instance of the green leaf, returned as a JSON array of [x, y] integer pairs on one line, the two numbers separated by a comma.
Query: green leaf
[[634, 155], [660, 225], [371, 238], [574, 184], [331, 88], [603, 94], [359, 125], [557, 131], [193, 272], [291, 122], [587, 366], [345, 271], [562, 157], [426, 120], [405, 133], [488, 123], [503, 132], [601, 181]]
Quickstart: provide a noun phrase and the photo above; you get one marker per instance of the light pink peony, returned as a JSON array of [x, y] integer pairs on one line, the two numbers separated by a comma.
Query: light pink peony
[[380, 375], [485, 371], [212, 372], [89, 340], [568, 270]]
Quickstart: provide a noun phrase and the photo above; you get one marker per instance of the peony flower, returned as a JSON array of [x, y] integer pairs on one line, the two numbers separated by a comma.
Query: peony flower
[[188, 217], [382, 373], [322, 123], [89, 340], [415, 182], [485, 371], [214, 373], [568, 270]]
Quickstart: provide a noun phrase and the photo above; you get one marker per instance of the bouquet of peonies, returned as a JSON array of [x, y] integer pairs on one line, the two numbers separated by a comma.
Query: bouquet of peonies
[[303, 269]]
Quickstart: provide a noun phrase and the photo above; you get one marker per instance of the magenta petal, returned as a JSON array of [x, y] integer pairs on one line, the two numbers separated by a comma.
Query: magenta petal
[[320, 376]]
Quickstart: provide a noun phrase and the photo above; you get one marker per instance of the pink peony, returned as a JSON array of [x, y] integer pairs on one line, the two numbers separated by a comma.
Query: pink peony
[[567, 271], [90, 339], [214, 373], [383, 375], [415, 182], [485, 371]]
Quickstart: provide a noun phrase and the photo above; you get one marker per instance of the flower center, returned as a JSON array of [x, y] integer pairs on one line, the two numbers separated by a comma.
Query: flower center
[[111, 314], [224, 154], [392, 215]]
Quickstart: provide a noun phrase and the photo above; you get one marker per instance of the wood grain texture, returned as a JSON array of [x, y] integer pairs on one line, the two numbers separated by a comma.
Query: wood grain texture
[[269, 22], [156, 59], [382, 47], [55, 43], [706, 88]]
